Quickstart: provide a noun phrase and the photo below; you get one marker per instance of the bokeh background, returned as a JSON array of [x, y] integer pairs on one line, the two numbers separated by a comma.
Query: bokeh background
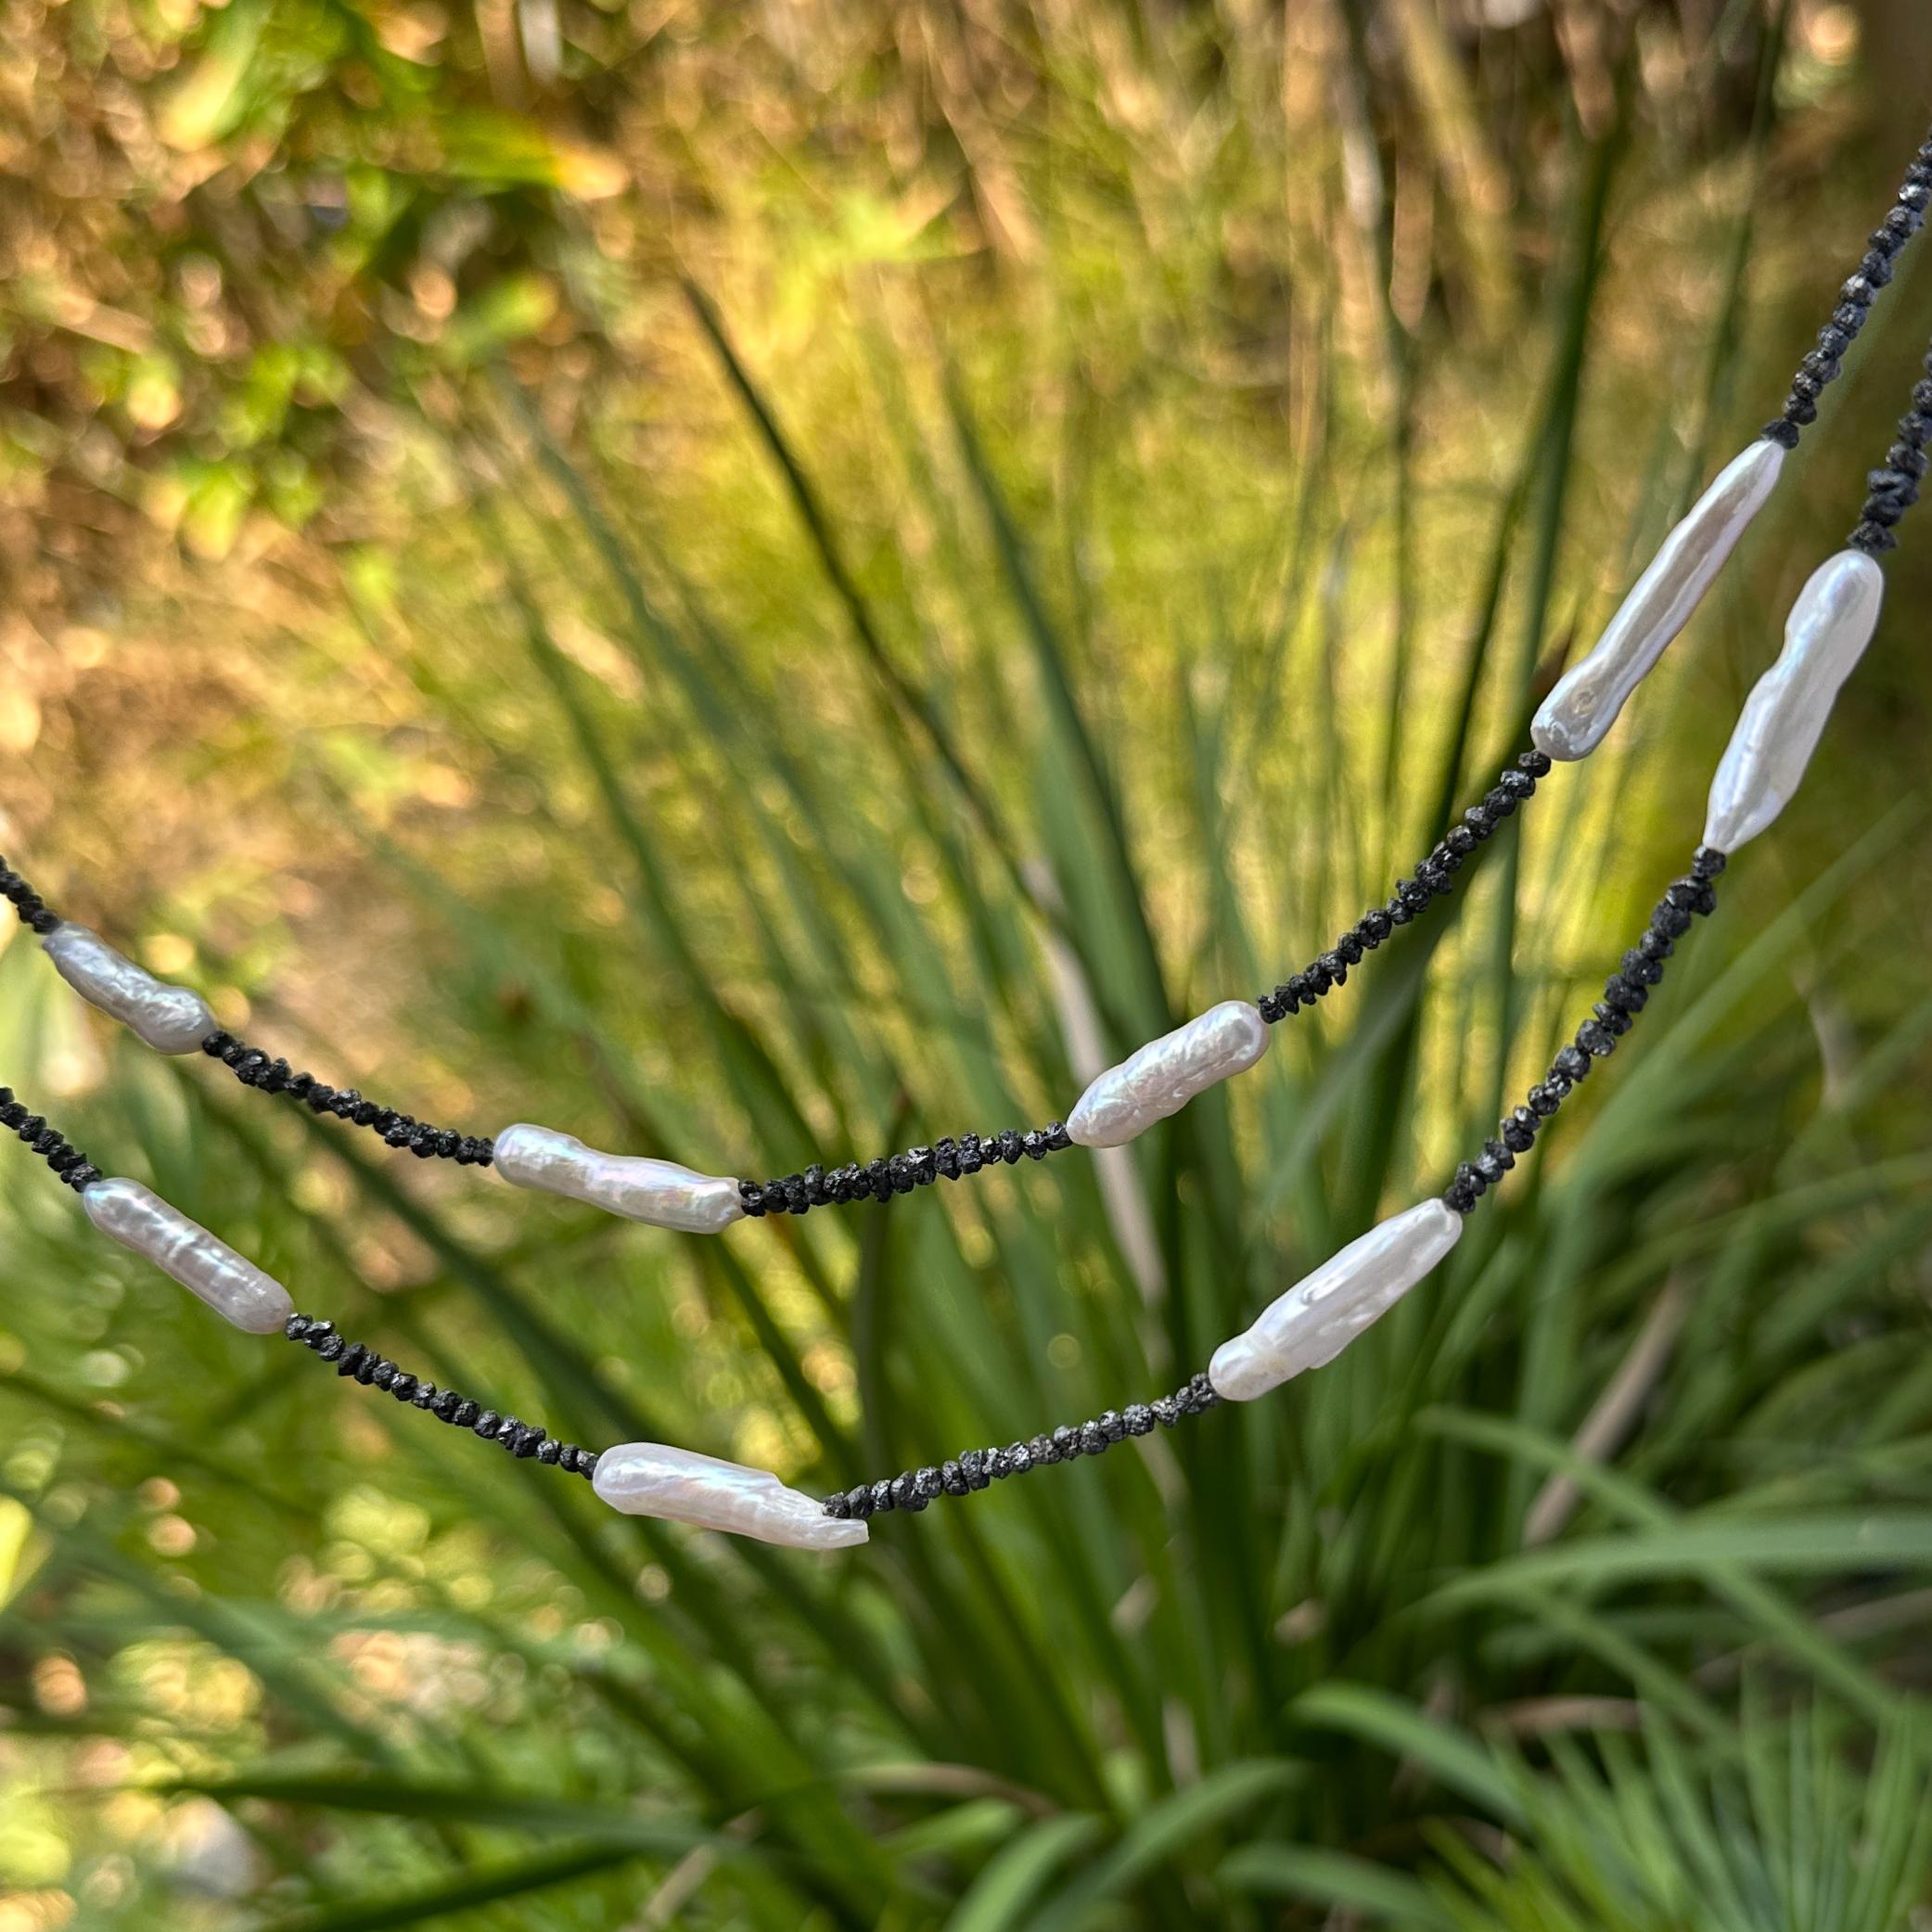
[[610, 564]]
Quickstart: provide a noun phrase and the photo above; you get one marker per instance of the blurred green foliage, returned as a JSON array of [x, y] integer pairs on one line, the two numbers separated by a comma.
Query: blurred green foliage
[[739, 582]]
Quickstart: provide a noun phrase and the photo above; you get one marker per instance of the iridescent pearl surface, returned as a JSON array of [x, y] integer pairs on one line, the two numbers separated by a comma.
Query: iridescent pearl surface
[[1324, 1312], [660, 1192], [172, 1019], [1577, 714], [1784, 716], [231, 1285], [679, 1484], [1167, 1073]]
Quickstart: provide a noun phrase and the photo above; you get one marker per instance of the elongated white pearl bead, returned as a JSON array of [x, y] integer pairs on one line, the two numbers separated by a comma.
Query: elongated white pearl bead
[[231, 1285], [654, 1479], [660, 1192], [1577, 714], [172, 1019], [1167, 1073], [1784, 716], [1324, 1312]]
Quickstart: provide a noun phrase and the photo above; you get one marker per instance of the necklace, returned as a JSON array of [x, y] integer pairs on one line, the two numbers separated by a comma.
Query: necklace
[[1778, 730]]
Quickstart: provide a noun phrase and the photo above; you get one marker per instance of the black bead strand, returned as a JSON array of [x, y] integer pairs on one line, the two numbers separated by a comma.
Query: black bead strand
[[32, 909], [1895, 485], [1433, 879], [973, 1469], [71, 1167], [255, 1068], [880, 1180], [1823, 363], [526, 1440], [1625, 995]]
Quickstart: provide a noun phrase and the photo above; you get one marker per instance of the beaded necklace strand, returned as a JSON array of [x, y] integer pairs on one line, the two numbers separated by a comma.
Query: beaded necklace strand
[[1779, 728]]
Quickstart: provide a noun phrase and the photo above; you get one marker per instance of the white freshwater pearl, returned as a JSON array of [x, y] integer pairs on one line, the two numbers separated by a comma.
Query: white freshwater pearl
[[1784, 716], [660, 1192], [172, 1019], [231, 1285], [1324, 1312], [1577, 714], [1167, 1073], [654, 1479]]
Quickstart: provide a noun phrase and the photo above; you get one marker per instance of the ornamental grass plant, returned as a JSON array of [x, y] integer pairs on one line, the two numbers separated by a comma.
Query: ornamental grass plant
[[753, 584]]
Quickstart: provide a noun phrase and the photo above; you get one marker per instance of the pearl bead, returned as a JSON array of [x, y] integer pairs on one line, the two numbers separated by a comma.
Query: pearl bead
[[231, 1285], [660, 1192], [1167, 1073], [1577, 714], [1309, 1325], [655, 1479], [172, 1019], [1784, 716]]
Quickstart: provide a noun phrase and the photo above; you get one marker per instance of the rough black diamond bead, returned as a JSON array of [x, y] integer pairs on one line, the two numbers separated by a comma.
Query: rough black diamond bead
[[465, 1413], [1350, 948], [1376, 926], [1612, 1019], [1093, 1439], [1492, 1167], [1655, 945], [1542, 1102], [1639, 965], [951, 1478], [297, 1326], [427, 1396], [1137, 1418], [1166, 1412], [1009, 1146], [1572, 1062], [971, 1159], [1516, 1137], [349, 1358], [840, 1505], [1594, 1037], [402, 1386], [385, 1376], [858, 1500], [1319, 978], [1400, 912], [1518, 784], [1670, 919], [1468, 1177], [1496, 1151], [1619, 993], [485, 1423], [1461, 1198], [1065, 1442], [1498, 802], [972, 1465], [1706, 862], [548, 1451], [882, 1497], [1111, 1426], [1016, 1459]]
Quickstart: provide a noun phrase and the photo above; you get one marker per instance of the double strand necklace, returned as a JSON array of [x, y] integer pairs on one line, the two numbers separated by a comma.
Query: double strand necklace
[[1778, 729]]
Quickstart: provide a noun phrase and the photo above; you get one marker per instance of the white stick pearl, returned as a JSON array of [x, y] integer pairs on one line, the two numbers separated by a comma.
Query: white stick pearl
[[660, 1192], [1784, 716], [229, 1283], [1163, 1076], [1324, 1312], [172, 1019], [1576, 717], [680, 1486]]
